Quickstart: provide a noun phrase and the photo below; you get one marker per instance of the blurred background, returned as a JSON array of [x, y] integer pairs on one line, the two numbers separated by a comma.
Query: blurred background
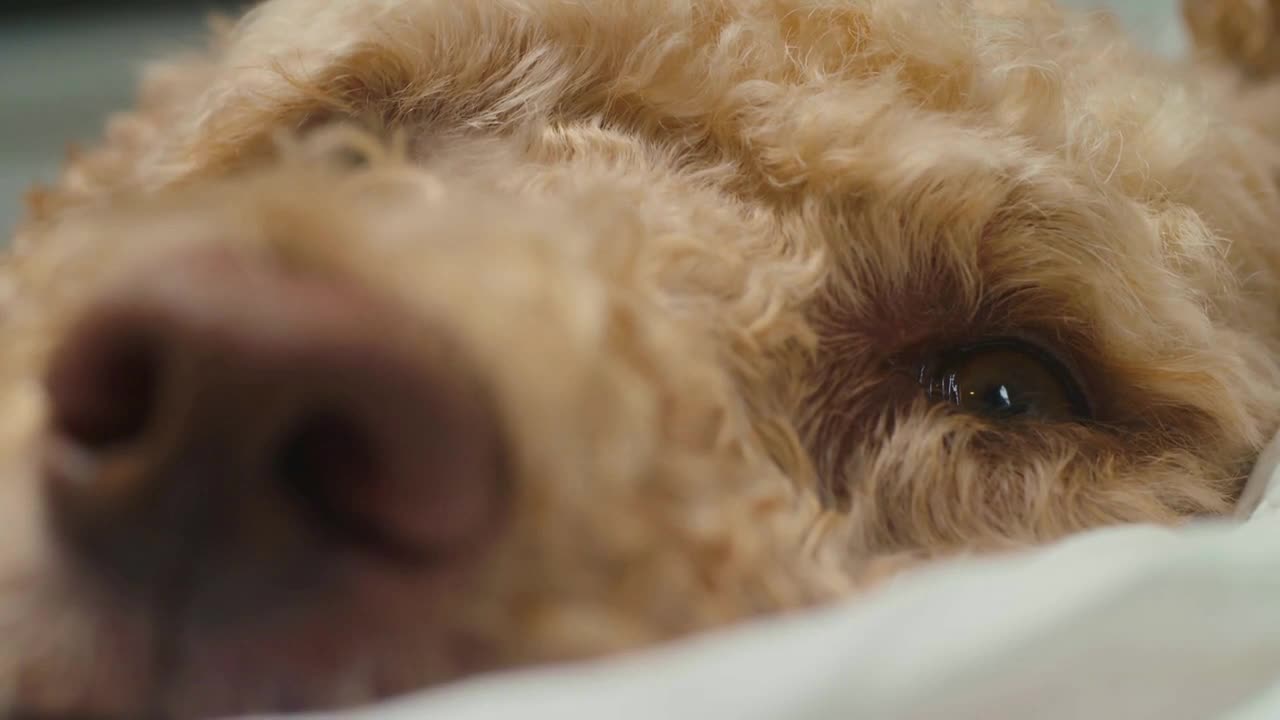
[[66, 64]]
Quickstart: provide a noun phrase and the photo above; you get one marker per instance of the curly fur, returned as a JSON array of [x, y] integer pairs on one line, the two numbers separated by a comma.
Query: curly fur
[[691, 246]]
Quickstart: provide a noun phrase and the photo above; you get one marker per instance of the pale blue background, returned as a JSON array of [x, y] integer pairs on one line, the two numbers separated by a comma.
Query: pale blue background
[[61, 72]]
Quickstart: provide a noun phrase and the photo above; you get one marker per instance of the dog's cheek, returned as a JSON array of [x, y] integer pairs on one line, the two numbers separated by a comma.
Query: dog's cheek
[[949, 486]]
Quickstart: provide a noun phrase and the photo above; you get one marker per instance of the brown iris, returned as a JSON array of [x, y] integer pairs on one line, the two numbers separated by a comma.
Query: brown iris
[[1005, 378]]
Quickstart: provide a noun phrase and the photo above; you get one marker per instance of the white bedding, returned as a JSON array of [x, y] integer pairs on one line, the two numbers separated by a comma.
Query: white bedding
[[1131, 622]]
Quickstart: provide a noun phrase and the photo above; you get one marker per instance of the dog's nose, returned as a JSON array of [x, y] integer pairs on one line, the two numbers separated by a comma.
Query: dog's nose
[[218, 405]]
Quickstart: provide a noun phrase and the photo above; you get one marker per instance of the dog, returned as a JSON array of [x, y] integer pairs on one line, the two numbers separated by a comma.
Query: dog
[[387, 342]]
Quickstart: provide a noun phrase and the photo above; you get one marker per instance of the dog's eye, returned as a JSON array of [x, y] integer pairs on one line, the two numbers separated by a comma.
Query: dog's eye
[[1004, 379]]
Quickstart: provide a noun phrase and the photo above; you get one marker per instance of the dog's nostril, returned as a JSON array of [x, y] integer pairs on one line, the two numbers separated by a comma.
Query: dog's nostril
[[387, 487], [323, 455], [326, 448], [102, 383]]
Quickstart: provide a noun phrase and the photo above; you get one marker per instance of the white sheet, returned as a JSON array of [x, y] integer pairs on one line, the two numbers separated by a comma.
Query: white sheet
[[1132, 622]]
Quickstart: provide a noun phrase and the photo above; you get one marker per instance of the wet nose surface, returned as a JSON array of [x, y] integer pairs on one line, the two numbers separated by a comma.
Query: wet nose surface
[[220, 405]]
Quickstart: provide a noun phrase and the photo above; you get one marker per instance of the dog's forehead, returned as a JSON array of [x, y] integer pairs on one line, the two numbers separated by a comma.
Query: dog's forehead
[[811, 92]]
